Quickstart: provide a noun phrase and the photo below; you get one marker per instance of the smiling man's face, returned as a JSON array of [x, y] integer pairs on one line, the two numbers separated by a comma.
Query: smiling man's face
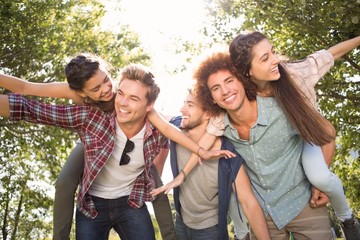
[[192, 113], [131, 103]]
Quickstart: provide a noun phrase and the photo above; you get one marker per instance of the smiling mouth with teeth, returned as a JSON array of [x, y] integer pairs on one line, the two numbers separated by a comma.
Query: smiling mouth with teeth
[[229, 98], [274, 69], [106, 94]]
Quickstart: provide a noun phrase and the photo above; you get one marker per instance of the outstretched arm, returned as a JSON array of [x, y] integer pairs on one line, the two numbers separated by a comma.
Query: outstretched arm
[[215, 128], [5, 108], [176, 135], [206, 142], [342, 48], [54, 89]]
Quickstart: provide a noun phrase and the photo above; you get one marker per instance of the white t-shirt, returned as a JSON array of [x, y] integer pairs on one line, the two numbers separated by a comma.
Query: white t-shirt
[[115, 181]]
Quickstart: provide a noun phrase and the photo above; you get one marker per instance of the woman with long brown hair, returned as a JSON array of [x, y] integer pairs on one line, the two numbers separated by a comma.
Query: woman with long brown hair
[[292, 85]]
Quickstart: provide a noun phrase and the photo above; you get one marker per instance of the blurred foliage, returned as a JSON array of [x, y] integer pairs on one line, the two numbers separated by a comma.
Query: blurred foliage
[[296, 29], [37, 39]]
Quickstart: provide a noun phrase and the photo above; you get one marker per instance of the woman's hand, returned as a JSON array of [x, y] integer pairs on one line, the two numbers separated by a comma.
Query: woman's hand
[[206, 155], [166, 188]]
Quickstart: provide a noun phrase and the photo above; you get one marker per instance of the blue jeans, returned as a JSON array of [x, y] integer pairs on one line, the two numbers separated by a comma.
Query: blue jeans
[[129, 223], [183, 232]]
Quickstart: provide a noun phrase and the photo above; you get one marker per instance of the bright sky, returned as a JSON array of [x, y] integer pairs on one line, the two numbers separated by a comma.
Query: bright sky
[[158, 22]]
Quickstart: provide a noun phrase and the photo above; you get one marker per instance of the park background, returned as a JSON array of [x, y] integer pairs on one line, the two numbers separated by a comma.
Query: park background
[[38, 37]]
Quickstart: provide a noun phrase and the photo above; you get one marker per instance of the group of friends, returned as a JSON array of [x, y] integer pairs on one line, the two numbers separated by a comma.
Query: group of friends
[[250, 144]]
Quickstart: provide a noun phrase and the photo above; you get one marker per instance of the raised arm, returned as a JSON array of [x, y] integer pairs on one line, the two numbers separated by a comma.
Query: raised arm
[[55, 89], [4, 103], [206, 141], [344, 47]]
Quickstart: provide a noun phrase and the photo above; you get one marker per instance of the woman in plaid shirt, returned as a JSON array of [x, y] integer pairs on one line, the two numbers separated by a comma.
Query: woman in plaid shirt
[[96, 87]]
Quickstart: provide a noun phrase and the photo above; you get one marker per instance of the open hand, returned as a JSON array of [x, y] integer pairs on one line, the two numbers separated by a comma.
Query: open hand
[[206, 155], [166, 188]]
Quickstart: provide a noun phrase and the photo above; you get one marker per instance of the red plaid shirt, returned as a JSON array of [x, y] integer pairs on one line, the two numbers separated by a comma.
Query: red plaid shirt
[[97, 132]]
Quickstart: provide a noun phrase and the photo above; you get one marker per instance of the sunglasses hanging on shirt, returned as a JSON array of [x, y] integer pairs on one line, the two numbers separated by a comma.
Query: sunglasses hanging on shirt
[[129, 146]]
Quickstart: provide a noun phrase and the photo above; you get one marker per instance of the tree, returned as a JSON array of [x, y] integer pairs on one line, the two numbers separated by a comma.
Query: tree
[[37, 39], [298, 28]]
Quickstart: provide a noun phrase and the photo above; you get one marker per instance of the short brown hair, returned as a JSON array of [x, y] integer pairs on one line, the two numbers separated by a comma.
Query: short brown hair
[[139, 73]]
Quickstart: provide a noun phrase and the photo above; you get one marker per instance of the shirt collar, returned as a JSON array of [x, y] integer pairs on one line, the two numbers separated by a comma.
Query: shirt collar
[[149, 128], [264, 107]]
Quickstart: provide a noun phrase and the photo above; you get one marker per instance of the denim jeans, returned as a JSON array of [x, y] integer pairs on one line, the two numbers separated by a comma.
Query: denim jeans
[[129, 223], [183, 232]]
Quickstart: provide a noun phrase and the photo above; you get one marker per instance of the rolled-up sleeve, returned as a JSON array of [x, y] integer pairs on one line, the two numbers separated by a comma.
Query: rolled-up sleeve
[[216, 125], [307, 72], [65, 116]]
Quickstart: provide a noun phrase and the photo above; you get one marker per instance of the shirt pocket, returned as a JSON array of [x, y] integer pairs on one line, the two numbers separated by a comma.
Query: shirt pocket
[[277, 146], [93, 145]]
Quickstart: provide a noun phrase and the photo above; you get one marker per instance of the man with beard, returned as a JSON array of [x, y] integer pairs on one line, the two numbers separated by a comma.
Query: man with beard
[[202, 201]]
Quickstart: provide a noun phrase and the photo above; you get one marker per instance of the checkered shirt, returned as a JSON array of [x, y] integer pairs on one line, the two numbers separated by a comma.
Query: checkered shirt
[[97, 132], [307, 72]]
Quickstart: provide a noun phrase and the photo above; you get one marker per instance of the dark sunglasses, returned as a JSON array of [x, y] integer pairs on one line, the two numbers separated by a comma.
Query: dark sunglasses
[[125, 159]]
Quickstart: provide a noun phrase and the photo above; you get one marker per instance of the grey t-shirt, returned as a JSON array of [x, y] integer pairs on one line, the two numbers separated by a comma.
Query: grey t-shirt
[[199, 193]]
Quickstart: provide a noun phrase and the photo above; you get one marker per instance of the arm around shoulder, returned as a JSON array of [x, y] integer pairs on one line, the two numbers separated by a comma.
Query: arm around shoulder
[[172, 132]]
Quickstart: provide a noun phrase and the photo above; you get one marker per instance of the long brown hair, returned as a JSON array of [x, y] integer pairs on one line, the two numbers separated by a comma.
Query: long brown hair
[[310, 124]]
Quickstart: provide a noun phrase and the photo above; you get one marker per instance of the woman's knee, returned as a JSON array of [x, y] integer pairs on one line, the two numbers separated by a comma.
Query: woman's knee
[[324, 182], [66, 182]]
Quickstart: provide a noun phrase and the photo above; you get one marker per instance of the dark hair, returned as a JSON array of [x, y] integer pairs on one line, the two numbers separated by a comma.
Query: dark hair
[[310, 124], [212, 64], [80, 69], [138, 72]]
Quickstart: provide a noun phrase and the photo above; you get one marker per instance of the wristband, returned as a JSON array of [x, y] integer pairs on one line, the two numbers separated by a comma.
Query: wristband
[[183, 172]]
